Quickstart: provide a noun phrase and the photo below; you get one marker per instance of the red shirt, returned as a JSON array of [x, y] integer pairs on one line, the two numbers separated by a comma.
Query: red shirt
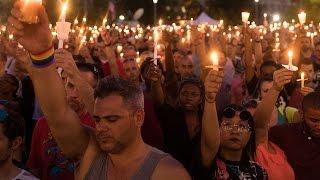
[[107, 70], [47, 156], [296, 99]]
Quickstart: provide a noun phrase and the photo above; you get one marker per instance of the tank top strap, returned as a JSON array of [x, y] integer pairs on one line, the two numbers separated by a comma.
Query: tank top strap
[[98, 168], [149, 165]]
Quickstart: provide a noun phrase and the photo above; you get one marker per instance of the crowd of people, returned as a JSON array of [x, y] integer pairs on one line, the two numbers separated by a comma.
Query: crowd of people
[[117, 103]]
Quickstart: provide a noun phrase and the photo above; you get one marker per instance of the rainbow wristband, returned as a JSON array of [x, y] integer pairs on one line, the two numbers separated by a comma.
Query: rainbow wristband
[[43, 59]]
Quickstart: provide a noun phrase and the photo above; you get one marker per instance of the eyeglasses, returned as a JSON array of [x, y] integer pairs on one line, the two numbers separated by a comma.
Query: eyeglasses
[[238, 127], [3, 113], [230, 113]]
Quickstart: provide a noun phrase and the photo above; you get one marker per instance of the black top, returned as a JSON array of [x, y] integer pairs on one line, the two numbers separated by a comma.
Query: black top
[[236, 170], [177, 140]]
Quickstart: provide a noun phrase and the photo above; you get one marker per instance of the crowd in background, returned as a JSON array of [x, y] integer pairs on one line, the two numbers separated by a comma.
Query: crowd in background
[[247, 118]]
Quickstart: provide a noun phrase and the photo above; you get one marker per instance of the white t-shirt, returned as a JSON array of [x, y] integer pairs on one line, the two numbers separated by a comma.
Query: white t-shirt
[[24, 175]]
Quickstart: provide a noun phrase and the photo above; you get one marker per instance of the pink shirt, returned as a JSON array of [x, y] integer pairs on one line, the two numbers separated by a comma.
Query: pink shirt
[[276, 164]]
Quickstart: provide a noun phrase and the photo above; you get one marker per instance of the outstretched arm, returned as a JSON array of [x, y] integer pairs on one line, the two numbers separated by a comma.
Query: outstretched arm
[[264, 111], [63, 122], [210, 137], [65, 60]]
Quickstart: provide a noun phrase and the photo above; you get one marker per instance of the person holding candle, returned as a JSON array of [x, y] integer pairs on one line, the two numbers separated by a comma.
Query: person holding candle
[[116, 146], [298, 141], [309, 85], [46, 160], [227, 150]]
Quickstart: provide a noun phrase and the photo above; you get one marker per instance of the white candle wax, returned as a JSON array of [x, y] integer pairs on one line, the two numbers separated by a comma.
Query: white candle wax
[[302, 79]]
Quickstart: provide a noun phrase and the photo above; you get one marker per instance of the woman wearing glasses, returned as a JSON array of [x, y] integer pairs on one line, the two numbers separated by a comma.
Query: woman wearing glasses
[[227, 151]]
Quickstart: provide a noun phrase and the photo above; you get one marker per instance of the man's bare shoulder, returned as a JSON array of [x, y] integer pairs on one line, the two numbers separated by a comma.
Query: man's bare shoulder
[[170, 169], [88, 157]]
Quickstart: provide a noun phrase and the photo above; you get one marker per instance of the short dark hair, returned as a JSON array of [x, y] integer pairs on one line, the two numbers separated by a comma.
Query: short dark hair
[[268, 63], [112, 85], [311, 100], [13, 125], [88, 67]]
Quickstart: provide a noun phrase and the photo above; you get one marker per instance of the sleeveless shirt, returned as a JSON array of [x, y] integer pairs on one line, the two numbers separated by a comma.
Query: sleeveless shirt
[[98, 168]]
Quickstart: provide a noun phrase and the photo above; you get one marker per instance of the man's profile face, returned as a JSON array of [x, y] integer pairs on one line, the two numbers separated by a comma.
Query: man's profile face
[[312, 119], [116, 125], [308, 70], [305, 43], [74, 98]]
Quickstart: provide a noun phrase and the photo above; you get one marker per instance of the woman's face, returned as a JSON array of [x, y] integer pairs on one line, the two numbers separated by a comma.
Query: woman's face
[[190, 97], [235, 133]]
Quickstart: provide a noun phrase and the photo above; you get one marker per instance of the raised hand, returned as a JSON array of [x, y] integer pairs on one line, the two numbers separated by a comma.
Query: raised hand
[[212, 84], [35, 38], [154, 73], [65, 60], [281, 77], [306, 90]]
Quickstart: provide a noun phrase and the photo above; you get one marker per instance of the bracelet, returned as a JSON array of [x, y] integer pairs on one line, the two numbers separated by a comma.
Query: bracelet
[[43, 59], [209, 99]]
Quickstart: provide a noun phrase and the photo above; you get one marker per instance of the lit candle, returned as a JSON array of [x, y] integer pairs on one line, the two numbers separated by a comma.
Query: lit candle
[[302, 17], [229, 38], [84, 20], [29, 12], [302, 79], [290, 54], [312, 39], [119, 49], [10, 36], [156, 38], [245, 17], [121, 55], [75, 22], [160, 22], [63, 28], [183, 40], [215, 61], [189, 36], [64, 12]]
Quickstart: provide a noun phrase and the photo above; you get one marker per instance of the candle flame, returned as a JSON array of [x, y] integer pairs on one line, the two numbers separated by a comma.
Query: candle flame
[[214, 58], [65, 7], [290, 54]]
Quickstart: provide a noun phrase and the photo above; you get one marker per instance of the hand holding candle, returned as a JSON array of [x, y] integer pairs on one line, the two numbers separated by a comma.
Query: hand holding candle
[[245, 17], [156, 38], [302, 17], [29, 11], [63, 28], [302, 79], [290, 55], [215, 61], [290, 65]]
